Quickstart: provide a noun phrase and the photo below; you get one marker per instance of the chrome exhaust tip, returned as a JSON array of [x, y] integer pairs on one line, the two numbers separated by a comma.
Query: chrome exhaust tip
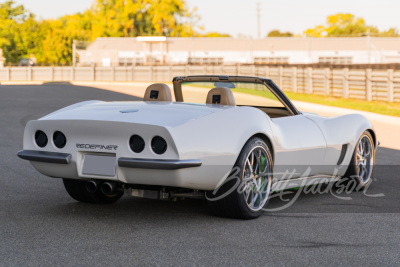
[[91, 186], [108, 188]]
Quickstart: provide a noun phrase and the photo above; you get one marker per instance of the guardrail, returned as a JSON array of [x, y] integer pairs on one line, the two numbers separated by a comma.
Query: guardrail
[[368, 84]]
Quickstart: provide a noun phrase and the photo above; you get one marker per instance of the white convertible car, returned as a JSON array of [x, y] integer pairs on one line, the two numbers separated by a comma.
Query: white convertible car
[[230, 139]]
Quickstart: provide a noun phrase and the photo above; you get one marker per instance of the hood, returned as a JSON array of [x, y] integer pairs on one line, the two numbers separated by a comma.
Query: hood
[[166, 114]]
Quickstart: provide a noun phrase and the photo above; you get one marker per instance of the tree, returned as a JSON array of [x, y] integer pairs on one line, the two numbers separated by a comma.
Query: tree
[[51, 40], [125, 18], [59, 35], [116, 18], [10, 18], [31, 34], [214, 34], [391, 32], [20, 33], [341, 25], [277, 33]]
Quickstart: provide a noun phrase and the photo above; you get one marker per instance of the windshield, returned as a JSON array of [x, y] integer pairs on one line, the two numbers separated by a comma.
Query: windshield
[[246, 94]]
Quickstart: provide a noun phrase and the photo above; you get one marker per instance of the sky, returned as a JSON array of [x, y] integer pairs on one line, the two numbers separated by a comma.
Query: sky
[[240, 16]]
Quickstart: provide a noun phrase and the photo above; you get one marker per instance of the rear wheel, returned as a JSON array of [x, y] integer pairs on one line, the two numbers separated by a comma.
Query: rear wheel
[[77, 190], [245, 192], [362, 162]]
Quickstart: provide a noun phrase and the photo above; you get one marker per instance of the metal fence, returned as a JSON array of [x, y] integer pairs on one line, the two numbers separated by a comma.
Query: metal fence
[[368, 84]]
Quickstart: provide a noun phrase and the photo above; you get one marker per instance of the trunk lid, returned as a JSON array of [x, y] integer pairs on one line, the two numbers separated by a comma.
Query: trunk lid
[[167, 114]]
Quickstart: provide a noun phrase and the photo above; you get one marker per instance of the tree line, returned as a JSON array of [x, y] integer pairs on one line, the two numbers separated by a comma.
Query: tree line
[[341, 25]]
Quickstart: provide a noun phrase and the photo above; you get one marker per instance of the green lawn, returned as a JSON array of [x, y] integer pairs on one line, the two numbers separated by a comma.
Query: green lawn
[[392, 109], [381, 107]]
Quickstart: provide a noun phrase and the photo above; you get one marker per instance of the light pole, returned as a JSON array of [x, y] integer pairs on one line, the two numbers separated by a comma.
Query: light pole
[[369, 46]]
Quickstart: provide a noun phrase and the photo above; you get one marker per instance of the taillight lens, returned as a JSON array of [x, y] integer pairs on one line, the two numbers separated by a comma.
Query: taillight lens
[[59, 139], [159, 145], [136, 143], [41, 138]]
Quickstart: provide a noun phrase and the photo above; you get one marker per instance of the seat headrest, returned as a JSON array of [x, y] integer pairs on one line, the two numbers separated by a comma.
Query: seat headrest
[[157, 92], [221, 96]]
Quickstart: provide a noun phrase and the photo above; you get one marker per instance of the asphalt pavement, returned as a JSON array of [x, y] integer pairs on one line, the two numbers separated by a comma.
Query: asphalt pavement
[[40, 225]]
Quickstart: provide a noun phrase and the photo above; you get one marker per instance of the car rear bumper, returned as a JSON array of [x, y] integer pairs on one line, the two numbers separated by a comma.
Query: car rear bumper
[[44, 156], [158, 164], [64, 158], [186, 173]]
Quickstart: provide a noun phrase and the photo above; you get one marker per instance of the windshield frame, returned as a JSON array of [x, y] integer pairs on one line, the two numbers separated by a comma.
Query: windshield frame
[[177, 83]]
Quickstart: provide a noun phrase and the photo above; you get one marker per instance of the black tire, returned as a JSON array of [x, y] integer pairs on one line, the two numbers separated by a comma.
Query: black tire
[[227, 200], [353, 172], [77, 190]]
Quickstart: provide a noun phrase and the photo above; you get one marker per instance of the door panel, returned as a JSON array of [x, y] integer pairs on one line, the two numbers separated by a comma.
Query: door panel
[[300, 146]]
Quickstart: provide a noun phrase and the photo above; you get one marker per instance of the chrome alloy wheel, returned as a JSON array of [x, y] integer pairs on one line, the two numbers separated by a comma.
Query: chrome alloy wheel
[[365, 159], [257, 178]]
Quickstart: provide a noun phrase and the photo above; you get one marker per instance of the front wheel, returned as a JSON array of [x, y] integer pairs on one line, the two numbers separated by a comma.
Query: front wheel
[[362, 162], [246, 191], [77, 190]]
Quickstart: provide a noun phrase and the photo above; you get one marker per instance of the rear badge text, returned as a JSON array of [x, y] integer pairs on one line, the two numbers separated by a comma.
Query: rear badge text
[[92, 146]]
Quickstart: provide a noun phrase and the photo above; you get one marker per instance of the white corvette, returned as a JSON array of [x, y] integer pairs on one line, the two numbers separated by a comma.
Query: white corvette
[[232, 140]]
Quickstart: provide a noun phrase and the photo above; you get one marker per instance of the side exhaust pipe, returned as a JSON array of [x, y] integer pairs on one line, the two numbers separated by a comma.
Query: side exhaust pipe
[[92, 186], [109, 188]]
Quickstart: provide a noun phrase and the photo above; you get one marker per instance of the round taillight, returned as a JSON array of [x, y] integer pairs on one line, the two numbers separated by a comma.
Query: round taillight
[[41, 138], [159, 145], [136, 143], [59, 139]]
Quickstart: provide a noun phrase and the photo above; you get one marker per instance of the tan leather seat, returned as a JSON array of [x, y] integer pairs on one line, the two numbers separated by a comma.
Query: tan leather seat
[[221, 96], [157, 92]]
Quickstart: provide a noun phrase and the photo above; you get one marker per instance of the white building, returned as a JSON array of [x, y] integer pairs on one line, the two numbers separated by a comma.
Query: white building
[[283, 50]]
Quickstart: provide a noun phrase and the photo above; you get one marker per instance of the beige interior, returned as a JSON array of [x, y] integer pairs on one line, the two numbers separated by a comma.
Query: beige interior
[[164, 93], [225, 96]]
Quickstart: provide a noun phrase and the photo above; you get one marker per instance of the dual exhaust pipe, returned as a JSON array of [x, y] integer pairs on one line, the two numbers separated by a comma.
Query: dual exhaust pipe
[[107, 188]]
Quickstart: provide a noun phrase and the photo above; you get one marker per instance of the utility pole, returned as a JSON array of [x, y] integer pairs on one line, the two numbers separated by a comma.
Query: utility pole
[[258, 20], [369, 46]]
